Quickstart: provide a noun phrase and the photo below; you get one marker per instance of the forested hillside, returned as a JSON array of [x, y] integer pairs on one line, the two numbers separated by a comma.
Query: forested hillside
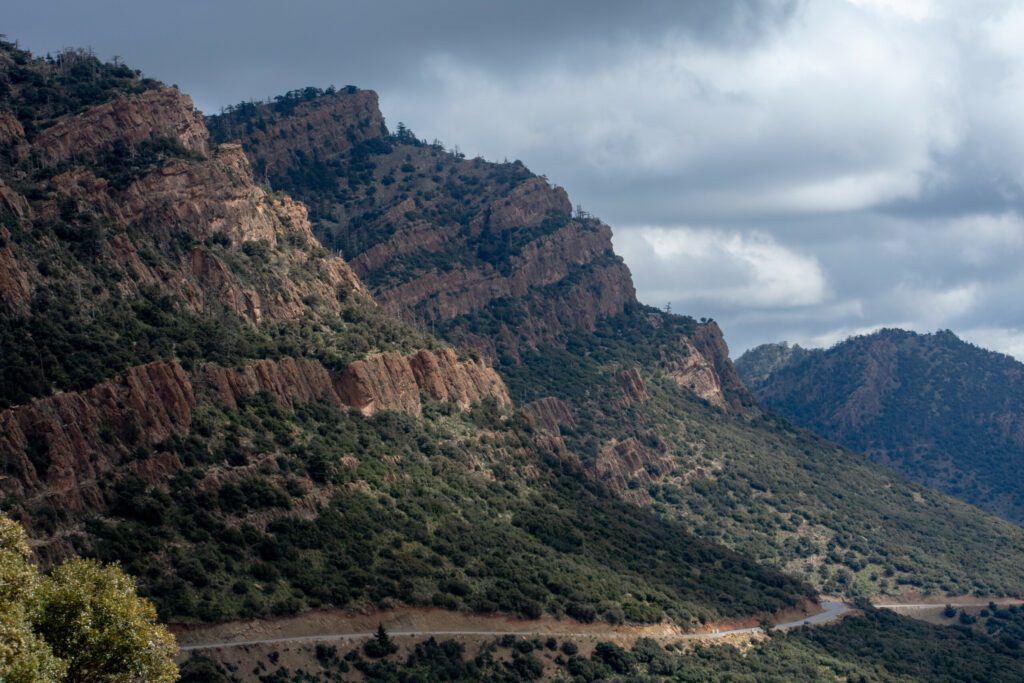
[[938, 410], [434, 387], [492, 257]]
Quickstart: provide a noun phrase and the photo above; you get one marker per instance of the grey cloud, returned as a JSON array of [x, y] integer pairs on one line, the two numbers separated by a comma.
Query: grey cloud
[[834, 138]]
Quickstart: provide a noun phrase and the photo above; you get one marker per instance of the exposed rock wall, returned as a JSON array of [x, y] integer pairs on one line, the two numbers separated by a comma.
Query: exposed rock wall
[[162, 113], [289, 381], [705, 369], [60, 445], [628, 468], [632, 386], [312, 130], [549, 413], [391, 381]]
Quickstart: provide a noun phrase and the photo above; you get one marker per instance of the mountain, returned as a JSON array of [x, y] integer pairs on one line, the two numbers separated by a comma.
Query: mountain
[[491, 257], [472, 412], [196, 388], [939, 410]]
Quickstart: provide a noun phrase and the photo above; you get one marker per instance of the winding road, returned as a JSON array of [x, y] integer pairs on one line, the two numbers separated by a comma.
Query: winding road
[[831, 611]]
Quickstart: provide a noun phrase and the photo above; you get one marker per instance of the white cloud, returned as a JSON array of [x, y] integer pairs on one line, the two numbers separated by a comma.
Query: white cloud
[[718, 267], [1006, 340], [937, 308], [841, 111], [917, 10]]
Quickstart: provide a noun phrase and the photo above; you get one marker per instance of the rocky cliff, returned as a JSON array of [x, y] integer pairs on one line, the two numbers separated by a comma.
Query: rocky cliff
[[60, 447], [130, 121], [58, 450], [308, 126], [705, 369], [391, 381], [444, 239]]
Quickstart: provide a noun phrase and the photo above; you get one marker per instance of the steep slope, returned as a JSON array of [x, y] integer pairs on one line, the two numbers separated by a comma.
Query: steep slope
[[491, 256], [438, 238], [943, 412], [194, 387]]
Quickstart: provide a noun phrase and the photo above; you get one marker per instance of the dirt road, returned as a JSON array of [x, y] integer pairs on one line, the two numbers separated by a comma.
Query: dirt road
[[245, 633]]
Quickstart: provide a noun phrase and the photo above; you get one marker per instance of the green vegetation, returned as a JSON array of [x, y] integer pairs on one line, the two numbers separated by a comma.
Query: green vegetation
[[454, 510], [772, 492], [81, 624], [40, 89], [877, 647], [939, 410]]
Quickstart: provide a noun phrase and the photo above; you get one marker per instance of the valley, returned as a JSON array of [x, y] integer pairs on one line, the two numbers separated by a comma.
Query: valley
[[297, 376]]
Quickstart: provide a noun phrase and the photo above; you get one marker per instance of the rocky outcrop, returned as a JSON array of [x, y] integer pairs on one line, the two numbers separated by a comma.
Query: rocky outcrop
[[60, 446], [14, 282], [705, 369], [316, 129], [382, 382], [162, 113], [527, 205], [632, 386], [207, 199], [391, 381], [550, 259], [697, 373], [710, 342], [187, 201], [548, 413], [628, 468], [12, 133], [443, 377], [288, 381]]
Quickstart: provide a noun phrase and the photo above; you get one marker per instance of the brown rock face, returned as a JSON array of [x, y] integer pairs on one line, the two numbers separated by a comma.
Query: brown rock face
[[706, 369], [316, 129], [632, 385], [382, 382], [549, 413], [12, 134], [59, 446], [628, 468], [443, 377], [194, 201], [14, 283], [697, 373], [163, 113], [289, 381], [391, 381]]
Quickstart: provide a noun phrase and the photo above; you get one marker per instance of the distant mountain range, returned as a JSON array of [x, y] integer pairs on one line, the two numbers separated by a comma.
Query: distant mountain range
[[937, 409]]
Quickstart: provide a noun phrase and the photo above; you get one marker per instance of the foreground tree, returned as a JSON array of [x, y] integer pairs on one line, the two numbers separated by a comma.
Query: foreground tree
[[83, 623], [24, 656]]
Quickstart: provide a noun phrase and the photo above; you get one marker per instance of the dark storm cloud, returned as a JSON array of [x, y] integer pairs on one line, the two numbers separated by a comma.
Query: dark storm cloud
[[227, 51], [796, 170]]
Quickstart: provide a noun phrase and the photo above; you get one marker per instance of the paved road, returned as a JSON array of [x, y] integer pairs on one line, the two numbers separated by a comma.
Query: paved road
[[831, 612]]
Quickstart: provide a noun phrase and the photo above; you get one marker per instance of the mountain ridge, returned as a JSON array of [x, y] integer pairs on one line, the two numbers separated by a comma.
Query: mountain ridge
[[939, 410]]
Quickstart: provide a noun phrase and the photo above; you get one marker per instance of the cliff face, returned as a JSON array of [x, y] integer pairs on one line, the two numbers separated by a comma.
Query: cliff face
[[447, 241], [163, 113], [705, 368], [193, 205], [391, 381], [281, 137], [59, 449]]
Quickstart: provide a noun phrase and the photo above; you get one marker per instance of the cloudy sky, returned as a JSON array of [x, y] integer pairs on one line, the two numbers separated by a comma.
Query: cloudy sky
[[798, 170]]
